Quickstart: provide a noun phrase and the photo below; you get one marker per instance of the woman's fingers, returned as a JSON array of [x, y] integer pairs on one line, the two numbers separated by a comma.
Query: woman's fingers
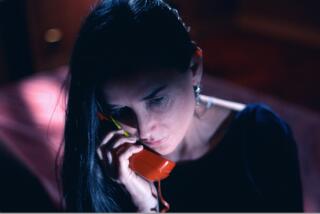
[[124, 140], [110, 135], [115, 147], [110, 147], [125, 154], [124, 172], [115, 151], [107, 142]]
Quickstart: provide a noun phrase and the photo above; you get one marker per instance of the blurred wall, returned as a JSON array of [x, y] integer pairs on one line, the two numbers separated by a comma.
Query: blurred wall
[[53, 26], [37, 35], [15, 53], [269, 46], [294, 20]]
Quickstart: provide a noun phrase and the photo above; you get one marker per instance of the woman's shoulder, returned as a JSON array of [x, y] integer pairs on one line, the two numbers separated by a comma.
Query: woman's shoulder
[[259, 117], [261, 131], [256, 115], [261, 142], [254, 120], [271, 156], [254, 124]]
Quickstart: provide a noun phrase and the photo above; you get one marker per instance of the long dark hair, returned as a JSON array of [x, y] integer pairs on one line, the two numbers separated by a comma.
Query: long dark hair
[[118, 37]]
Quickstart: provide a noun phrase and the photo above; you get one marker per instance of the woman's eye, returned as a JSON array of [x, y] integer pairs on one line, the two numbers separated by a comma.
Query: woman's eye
[[159, 101]]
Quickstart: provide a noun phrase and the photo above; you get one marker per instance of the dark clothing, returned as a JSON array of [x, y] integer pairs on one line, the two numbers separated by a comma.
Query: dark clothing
[[254, 168]]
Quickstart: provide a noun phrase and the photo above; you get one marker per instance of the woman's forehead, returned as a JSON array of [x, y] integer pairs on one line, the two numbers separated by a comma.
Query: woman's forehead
[[144, 79], [142, 83]]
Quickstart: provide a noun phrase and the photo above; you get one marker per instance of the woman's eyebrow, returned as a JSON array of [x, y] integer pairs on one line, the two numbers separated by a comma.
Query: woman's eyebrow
[[154, 92]]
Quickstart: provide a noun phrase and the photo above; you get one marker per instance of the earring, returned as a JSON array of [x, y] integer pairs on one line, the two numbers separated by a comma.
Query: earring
[[197, 91]]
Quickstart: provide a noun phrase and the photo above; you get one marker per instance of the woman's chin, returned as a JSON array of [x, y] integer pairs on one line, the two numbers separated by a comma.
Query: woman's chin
[[164, 148], [165, 152], [168, 152]]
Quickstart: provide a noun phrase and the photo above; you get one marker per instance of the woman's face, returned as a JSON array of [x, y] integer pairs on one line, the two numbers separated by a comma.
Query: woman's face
[[156, 106]]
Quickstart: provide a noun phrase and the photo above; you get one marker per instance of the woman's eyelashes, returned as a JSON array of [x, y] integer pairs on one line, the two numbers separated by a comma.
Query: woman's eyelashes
[[152, 104], [158, 102]]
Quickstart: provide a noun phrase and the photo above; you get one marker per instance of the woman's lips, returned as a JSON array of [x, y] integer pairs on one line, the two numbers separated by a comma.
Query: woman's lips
[[156, 142]]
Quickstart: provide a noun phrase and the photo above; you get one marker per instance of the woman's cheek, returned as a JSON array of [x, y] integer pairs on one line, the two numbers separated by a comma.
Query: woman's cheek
[[181, 114]]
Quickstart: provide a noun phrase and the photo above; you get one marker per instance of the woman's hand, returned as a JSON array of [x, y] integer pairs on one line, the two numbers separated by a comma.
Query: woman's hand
[[115, 150]]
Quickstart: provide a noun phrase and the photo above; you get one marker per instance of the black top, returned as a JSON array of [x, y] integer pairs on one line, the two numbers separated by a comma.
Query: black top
[[254, 168]]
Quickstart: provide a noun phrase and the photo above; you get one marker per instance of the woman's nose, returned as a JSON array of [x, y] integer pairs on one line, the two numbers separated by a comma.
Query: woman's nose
[[145, 126], [138, 124]]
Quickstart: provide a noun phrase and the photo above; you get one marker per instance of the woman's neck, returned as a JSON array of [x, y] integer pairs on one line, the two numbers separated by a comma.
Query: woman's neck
[[198, 139]]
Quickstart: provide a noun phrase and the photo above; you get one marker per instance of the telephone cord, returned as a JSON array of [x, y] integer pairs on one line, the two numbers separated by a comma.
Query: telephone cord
[[163, 201]]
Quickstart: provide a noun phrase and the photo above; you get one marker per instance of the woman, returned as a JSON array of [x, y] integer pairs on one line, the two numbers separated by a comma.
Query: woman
[[134, 61]]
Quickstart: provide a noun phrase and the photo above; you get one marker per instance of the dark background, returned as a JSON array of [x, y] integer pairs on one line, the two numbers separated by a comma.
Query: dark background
[[270, 46]]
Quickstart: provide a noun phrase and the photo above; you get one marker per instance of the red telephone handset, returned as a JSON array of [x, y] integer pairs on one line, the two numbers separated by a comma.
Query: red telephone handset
[[150, 165], [147, 164]]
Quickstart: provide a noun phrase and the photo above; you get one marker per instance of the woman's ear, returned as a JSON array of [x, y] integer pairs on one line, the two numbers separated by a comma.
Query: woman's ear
[[196, 66]]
